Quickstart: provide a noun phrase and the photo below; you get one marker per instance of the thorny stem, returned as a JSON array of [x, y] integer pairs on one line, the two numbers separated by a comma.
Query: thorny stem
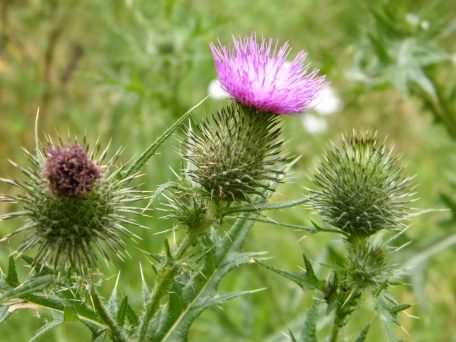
[[161, 287], [118, 335]]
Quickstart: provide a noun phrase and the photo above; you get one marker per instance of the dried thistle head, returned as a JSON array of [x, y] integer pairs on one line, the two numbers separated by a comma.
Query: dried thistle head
[[75, 204], [235, 154], [360, 187]]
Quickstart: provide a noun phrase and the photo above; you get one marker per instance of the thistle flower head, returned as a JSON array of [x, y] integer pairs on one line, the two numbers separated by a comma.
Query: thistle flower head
[[70, 172], [360, 187], [258, 75], [75, 205], [234, 155]]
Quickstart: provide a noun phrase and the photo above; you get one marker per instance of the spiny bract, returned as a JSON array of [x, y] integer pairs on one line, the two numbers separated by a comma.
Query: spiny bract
[[360, 187], [75, 204], [187, 207], [235, 153]]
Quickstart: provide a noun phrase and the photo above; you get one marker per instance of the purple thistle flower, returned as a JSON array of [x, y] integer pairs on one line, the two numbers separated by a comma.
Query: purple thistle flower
[[70, 172], [257, 74]]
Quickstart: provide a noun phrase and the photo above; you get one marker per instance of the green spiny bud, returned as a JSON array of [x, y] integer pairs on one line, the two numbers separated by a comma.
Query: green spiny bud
[[367, 266], [235, 154], [188, 208], [360, 187], [75, 205]]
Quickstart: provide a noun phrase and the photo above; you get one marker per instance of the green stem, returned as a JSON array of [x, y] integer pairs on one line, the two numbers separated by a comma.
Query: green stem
[[261, 207], [118, 335], [160, 289], [334, 332]]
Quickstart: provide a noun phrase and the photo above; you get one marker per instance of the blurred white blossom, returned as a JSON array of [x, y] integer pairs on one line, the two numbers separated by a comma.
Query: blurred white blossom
[[314, 124], [328, 102], [216, 91]]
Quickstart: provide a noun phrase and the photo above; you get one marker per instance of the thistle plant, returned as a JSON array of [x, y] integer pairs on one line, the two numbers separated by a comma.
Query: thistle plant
[[359, 190], [75, 206], [78, 203]]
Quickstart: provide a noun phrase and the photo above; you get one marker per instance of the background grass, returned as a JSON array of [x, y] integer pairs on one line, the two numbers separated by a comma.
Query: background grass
[[125, 69]]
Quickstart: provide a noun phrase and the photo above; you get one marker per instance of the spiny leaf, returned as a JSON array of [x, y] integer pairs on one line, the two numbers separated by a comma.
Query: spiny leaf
[[306, 280], [309, 333], [113, 303], [292, 336], [150, 151], [219, 299], [176, 324], [4, 313], [144, 286], [12, 278], [363, 335], [122, 312], [58, 319], [30, 286], [388, 310], [70, 314]]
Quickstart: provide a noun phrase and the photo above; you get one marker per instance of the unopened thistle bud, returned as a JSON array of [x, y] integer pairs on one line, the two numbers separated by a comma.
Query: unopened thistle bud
[[236, 153], [368, 266], [188, 207], [360, 187], [75, 205]]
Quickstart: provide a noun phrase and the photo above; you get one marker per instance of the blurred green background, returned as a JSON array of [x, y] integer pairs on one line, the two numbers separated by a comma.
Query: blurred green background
[[125, 69]]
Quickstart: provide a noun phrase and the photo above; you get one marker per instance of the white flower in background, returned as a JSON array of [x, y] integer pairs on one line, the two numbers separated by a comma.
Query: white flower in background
[[327, 102], [216, 91], [314, 124], [415, 21]]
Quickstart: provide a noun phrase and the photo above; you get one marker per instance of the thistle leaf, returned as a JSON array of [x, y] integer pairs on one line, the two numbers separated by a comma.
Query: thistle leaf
[[113, 303], [219, 299], [150, 151], [309, 333], [188, 302], [28, 287], [305, 280], [292, 336], [12, 278], [58, 319], [70, 314], [363, 335], [4, 313]]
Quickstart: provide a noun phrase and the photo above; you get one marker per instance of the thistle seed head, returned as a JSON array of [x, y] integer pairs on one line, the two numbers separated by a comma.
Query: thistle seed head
[[73, 213], [360, 187], [235, 154]]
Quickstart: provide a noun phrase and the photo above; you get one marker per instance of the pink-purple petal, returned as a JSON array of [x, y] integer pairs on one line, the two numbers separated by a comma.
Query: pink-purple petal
[[258, 75]]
